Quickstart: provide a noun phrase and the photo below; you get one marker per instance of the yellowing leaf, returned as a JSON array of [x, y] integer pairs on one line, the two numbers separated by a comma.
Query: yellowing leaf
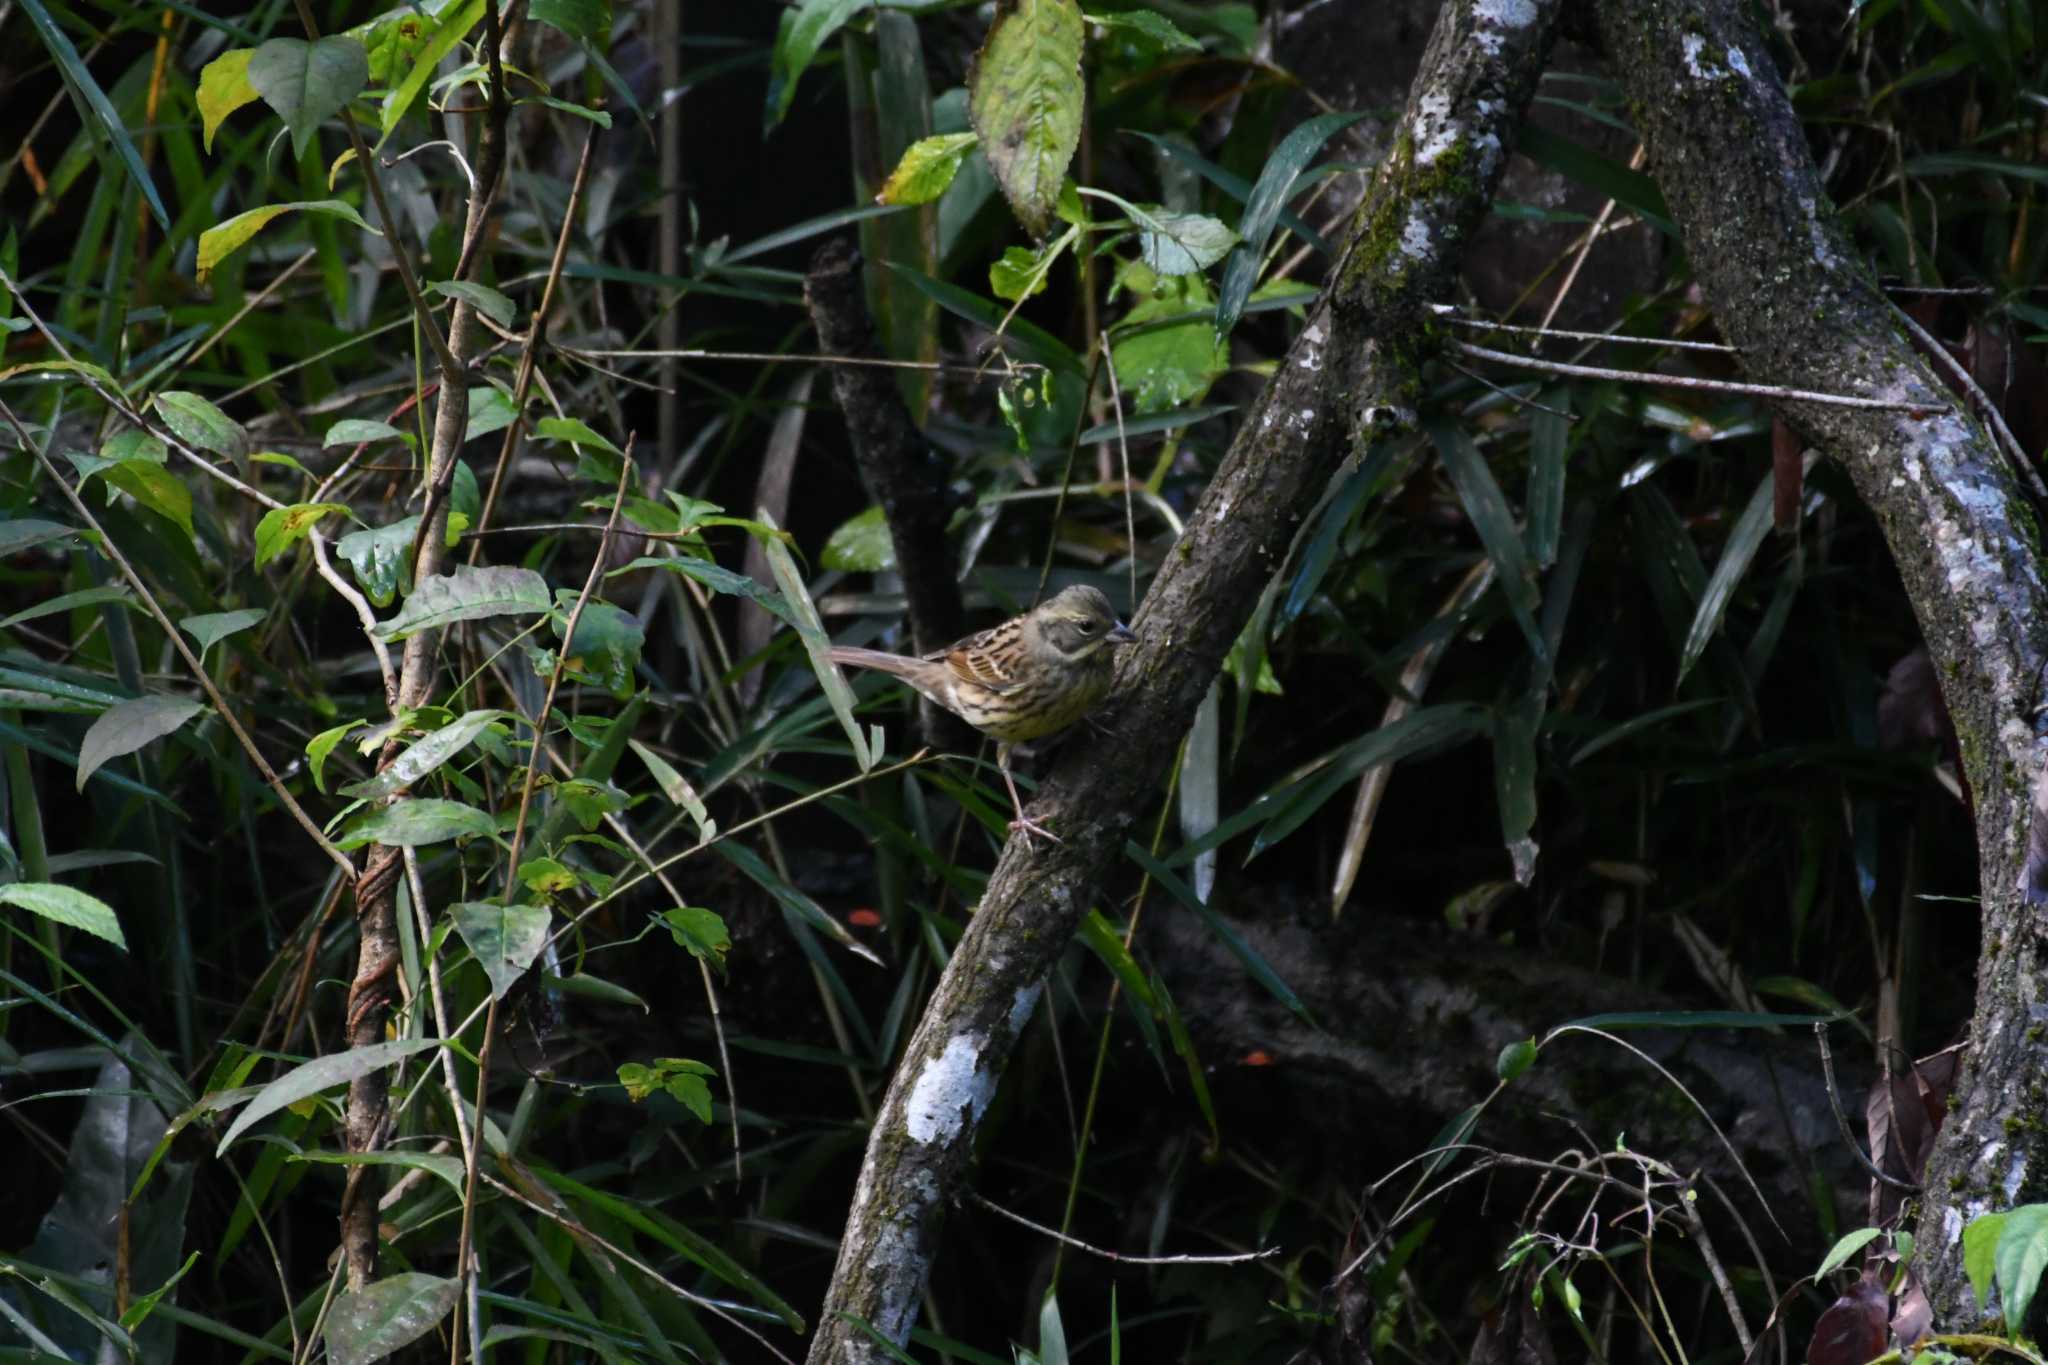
[[927, 168], [284, 527], [223, 88], [216, 243]]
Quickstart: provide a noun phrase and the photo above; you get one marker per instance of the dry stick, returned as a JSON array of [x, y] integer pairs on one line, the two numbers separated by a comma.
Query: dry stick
[[1447, 312], [250, 305], [540, 722], [171, 632], [1126, 1258], [1015, 367], [536, 331], [1827, 1067], [1674, 381], [1593, 235]]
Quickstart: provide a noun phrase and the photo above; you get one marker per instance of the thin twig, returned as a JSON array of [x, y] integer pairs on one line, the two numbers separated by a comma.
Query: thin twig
[[1510, 394], [1125, 1257], [177, 640], [786, 358], [1446, 312], [1827, 1069], [1674, 381]]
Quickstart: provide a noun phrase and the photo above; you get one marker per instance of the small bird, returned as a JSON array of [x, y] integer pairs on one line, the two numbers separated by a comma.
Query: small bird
[[1022, 680]]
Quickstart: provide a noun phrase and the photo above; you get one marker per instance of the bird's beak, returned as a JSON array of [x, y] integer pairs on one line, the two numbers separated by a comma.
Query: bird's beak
[[1120, 634]]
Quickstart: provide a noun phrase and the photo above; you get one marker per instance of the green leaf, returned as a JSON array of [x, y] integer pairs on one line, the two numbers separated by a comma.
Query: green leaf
[[1021, 272], [308, 83], [210, 629], [1183, 243], [323, 744], [372, 1323], [1611, 179], [701, 933], [125, 728], [1744, 541], [1161, 365], [1980, 1244], [93, 100], [573, 431], [156, 488], [718, 578], [677, 789], [1024, 97], [927, 168], [1545, 502], [84, 597], [134, 444], [1624, 1021], [455, 24], [2021, 1256], [217, 243], [468, 594], [1261, 971], [1275, 186], [607, 644], [1515, 1058], [424, 756], [416, 822], [811, 629], [223, 88], [356, 430], [489, 410], [860, 545], [1488, 508], [22, 532], [66, 905], [1848, 1245], [1153, 28], [322, 1073], [392, 40], [377, 557], [505, 939], [803, 31], [588, 21], [481, 297], [198, 422], [283, 527]]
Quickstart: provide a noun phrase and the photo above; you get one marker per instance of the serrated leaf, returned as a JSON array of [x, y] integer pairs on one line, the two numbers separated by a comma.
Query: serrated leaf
[[322, 1073], [1024, 98], [66, 905], [861, 544], [417, 822], [198, 422], [125, 728], [283, 527], [308, 83], [927, 168], [468, 594], [504, 939], [210, 629], [481, 297], [217, 243], [424, 756], [223, 88], [1182, 243]]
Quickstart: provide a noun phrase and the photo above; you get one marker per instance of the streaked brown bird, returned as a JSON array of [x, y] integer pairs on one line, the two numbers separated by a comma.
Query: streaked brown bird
[[1022, 680]]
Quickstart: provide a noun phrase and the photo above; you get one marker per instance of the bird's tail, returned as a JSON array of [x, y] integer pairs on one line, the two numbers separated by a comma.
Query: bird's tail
[[855, 657]]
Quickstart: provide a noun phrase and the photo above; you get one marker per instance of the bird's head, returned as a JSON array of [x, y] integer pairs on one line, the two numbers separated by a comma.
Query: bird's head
[[1077, 621]]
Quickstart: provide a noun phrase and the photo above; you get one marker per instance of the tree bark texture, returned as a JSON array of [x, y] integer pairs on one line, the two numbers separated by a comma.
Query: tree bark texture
[[1801, 309], [1350, 377], [900, 468]]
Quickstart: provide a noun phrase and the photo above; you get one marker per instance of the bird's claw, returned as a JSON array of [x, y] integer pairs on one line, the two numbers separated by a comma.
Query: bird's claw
[[1031, 827]]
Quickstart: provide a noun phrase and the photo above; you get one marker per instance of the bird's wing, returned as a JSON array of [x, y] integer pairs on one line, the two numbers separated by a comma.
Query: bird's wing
[[983, 659]]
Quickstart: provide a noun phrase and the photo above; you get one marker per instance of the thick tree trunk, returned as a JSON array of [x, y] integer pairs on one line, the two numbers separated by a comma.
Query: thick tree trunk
[[1789, 291], [1351, 377]]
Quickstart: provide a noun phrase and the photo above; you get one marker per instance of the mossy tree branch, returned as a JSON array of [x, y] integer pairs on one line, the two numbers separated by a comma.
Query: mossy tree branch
[[1350, 378], [1803, 310]]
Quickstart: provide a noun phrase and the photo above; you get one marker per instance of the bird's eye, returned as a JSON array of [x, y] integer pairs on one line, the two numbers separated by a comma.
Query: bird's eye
[[1088, 627]]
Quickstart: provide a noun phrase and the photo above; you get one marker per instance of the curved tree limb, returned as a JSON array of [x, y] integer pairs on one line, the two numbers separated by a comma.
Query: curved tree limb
[[1802, 309], [1351, 377]]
